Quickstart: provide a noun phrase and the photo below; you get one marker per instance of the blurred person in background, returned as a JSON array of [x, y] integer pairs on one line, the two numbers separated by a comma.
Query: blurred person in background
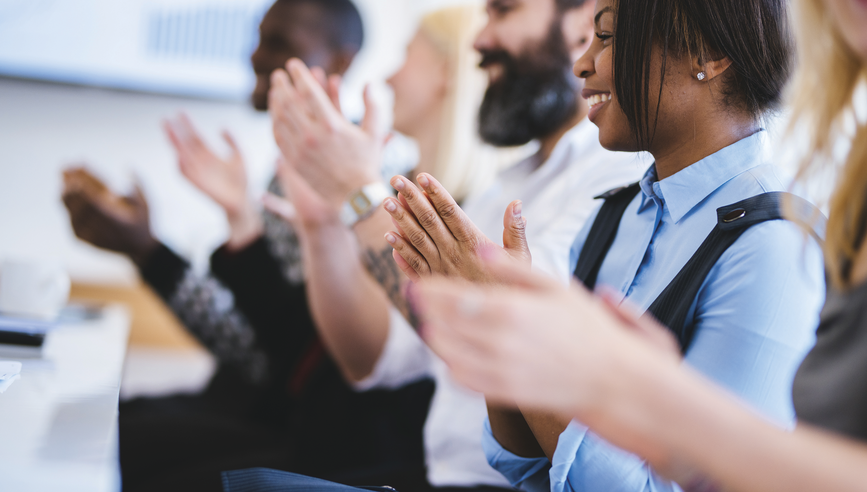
[[582, 357], [527, 47], [276, 399]]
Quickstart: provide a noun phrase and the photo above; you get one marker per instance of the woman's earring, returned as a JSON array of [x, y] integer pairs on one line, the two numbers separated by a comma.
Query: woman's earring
[[700, 76]]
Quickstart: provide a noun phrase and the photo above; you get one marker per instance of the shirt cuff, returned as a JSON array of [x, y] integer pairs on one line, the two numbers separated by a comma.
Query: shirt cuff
[[524, 473], [225, 263], [564, 456], [163, 271], [404, 359]]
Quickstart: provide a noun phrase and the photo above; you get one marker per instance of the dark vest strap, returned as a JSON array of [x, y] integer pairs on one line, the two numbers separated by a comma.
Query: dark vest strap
[[602, 233], [672, 306]]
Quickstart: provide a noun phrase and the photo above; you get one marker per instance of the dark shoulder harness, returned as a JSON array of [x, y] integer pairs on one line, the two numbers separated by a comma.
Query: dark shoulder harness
[[672, 305]]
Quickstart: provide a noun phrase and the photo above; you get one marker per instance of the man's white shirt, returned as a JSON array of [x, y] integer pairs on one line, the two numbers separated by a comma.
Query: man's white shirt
[[558, 197]]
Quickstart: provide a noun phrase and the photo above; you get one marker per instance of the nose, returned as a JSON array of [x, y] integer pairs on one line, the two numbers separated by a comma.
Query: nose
[[485, 40], [585, 66]]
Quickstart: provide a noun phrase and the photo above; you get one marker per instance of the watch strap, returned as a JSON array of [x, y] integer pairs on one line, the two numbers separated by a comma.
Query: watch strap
[[362, 202]]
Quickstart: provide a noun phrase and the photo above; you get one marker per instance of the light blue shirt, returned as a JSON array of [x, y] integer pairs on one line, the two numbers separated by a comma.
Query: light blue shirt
[[755, 315]]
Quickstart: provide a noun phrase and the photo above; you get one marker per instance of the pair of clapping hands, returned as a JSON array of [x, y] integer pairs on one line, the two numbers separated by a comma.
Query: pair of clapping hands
[[503, 329], [325, 158], [122, 223]]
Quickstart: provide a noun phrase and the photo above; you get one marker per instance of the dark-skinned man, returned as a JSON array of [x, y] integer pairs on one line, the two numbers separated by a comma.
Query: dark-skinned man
[[277, 400]]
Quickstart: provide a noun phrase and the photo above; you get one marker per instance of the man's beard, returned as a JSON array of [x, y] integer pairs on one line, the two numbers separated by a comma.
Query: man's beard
[[534, 97]]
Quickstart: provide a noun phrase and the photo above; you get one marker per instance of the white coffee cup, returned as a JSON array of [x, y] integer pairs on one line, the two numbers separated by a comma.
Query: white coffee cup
[[37, 289]]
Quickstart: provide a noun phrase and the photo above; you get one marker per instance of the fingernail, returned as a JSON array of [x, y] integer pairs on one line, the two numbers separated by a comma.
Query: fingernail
[[516, 210], [390, 205], [398, 184], [390, 238], [423, 181]]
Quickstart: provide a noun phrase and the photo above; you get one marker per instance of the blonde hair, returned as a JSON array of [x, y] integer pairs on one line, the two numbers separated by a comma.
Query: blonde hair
[[464, 164], [822, 95]]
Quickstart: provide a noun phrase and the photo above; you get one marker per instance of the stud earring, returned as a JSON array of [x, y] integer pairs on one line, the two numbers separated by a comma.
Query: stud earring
[[700, 76]]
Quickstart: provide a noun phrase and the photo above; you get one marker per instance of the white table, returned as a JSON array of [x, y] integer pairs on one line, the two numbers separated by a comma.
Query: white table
[[58, 422]]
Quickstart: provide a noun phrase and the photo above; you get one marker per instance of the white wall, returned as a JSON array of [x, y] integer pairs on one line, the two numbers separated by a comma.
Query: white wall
[[44, 127]]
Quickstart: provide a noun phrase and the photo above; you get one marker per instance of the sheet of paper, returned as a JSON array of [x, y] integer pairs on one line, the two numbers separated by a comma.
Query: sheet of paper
[[9, 372], [6, 383], [9, 369]]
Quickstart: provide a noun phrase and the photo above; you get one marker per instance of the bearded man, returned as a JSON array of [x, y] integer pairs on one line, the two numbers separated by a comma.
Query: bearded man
[[527, 47]]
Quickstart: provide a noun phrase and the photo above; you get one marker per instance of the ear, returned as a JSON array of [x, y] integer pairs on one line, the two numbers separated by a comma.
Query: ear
[[711, 68]]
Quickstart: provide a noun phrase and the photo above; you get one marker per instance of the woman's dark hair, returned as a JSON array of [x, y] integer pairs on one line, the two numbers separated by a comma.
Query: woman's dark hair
[[753, 34]]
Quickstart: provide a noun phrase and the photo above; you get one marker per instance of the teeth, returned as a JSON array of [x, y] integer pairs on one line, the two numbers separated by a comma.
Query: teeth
[[597, 99]]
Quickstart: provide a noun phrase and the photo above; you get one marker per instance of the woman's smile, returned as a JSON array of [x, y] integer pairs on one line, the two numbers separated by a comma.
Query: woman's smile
[[596, 100]]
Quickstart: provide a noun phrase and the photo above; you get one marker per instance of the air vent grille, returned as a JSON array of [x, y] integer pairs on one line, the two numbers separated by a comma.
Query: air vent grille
[[208, 34]]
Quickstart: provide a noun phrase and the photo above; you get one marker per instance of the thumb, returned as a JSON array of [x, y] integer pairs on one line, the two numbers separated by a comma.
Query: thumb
[[515, 233], [137, 198], [233, 145], [371, 114]]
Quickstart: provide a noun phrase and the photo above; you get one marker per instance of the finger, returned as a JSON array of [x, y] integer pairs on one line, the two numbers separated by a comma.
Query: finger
[[410, 255], [232, 143], [448, 210], [370, 122], [333, 89], [475, 316], [319, 74], [280, 207], [188, 134], [425, 213], [314, 97], [87, 183], [467, 366], [285, 124], [633, 319], [286, 105], [515, 233], [613, 299], [410, 229], [404, 267]]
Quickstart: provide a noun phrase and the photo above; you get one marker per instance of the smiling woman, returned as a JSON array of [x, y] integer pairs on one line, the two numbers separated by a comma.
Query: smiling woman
[[675, 78], [525, 344]]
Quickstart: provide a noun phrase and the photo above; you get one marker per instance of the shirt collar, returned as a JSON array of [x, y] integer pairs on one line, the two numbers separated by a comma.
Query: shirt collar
[[687, 188]]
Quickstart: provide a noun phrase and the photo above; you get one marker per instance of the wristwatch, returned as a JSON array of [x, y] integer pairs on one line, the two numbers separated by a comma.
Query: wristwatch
[[362, 202]]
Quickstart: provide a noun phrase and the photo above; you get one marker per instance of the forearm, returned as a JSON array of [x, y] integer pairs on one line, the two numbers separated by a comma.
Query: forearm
[[376, 254], [510, 429], [672, 416], [350, 310], [546, 428]]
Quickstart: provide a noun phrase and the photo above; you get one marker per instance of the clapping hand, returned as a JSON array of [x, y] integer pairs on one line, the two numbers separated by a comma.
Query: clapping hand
[[223, 179], [532, 341], [107, 220], [334, 156], [436, 237]]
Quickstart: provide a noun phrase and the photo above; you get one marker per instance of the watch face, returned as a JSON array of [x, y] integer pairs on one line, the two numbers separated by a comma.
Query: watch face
[[360, 203]]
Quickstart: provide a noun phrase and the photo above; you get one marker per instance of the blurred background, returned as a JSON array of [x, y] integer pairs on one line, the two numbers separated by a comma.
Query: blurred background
[[90, 81]]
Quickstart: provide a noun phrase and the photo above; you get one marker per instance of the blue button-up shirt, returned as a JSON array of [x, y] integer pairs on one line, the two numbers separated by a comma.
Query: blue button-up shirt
[[755, 315]]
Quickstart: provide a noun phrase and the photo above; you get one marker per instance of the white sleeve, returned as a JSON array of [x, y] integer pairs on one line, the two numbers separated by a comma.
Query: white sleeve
[[404, 359]]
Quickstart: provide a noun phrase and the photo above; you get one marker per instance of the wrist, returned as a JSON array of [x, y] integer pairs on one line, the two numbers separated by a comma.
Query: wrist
[[140, 254], [245, 226], [363, 202]]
